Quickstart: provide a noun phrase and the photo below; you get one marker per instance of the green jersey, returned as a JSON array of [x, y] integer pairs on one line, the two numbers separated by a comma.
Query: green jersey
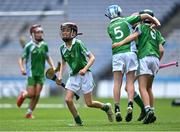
[[76, 56], [119, 29], [148, 41], [35, 56]]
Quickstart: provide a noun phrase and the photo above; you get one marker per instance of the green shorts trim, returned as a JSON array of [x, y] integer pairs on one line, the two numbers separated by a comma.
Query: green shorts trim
[[31, 81]]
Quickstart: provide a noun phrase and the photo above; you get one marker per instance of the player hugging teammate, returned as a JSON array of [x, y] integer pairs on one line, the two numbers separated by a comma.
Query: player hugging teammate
[[149, 52]]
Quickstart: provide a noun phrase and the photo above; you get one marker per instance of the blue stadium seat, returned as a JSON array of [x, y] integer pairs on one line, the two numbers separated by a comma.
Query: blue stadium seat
[[89, 16]]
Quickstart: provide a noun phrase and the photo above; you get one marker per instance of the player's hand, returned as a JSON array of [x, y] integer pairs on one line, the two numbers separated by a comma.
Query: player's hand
[[58, 67], [54, 68], [58, 81], [23, 71], [152, 26], [82, 71], [114, 45]]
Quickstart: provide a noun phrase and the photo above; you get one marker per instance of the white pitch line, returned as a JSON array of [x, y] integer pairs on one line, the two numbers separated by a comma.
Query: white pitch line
[[38, 106]]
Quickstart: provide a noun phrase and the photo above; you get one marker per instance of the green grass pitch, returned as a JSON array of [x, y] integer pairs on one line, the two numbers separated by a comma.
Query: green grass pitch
[[58, 119]]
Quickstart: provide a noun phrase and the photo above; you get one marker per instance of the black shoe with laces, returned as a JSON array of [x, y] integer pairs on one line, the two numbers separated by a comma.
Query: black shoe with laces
[[141, 116], [78, 121], [149, 116], [153, 119], [118, 117], [129, 112], [117, 113]]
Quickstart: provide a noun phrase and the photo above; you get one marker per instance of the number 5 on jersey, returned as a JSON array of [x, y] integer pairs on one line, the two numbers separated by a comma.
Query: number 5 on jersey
[[118, 32]]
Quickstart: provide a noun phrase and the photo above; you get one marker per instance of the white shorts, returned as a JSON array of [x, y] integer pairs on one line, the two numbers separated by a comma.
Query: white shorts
[[148, 65], [125, 62], [78, 83]]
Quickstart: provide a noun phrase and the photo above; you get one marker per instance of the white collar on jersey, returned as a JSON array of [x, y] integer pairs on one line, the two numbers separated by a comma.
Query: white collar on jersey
[[73, 42], [112, 20], [37, 45]]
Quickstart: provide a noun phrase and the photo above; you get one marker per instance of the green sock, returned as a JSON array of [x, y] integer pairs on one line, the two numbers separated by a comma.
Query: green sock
[[138, 100], [78, 120], [105, 108]]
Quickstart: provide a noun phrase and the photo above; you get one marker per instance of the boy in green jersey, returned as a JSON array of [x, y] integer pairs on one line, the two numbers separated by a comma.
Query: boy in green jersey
[[124, 57], [80, 59], [34, 55], [150, 52]]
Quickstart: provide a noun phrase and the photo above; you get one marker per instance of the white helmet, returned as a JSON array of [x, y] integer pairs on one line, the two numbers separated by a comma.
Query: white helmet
[[33, 30], [113, 11]]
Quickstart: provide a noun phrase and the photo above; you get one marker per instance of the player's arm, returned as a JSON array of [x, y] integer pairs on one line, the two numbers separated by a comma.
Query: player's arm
[[150, 18], [89, 64], [147, 16], [50, 62], [161, 42], [63, 63], [48, 58], [135, 14], [161, 51], [90, 61], [126, 40], [21, 62]]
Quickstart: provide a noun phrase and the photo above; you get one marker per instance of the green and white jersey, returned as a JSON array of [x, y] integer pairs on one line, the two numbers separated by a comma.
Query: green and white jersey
[[35, 56], [148, 41], [119, 29], [76, 56]]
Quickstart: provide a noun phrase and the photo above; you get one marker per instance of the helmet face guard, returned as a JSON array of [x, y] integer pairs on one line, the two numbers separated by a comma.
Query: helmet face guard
[[113, 11], [68, 31], [36, 32]]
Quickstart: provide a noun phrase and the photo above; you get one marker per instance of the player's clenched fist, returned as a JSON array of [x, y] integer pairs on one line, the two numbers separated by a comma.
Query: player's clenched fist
[[58, 81]]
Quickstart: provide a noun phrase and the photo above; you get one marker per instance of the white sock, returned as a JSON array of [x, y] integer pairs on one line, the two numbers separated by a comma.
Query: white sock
[[147, 108], [29, 111]]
